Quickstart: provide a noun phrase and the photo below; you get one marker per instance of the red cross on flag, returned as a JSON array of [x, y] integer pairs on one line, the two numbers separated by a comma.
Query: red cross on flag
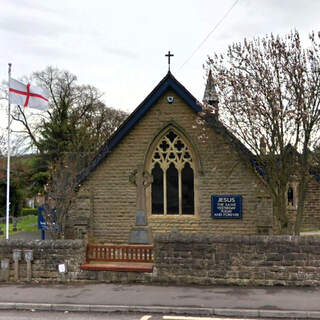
[[27, 95]]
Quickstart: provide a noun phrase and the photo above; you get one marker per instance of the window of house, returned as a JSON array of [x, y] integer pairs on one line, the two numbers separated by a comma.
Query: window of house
[[172, 168]]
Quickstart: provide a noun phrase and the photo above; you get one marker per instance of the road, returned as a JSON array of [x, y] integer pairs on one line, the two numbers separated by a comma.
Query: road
[[55, 315], [52, 315]]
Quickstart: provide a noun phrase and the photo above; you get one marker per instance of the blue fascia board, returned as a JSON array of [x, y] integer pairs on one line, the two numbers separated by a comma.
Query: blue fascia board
[[168, 84]]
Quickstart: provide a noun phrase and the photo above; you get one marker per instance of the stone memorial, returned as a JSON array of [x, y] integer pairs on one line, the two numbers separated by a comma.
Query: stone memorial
[[140, 234]]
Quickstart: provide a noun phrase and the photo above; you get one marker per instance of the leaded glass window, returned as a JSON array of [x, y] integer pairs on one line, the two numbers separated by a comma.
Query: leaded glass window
[[172, 168], [290, 196], [157, 188]]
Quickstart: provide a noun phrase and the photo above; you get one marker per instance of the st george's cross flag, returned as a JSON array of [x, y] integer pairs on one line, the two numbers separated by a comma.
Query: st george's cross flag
[[27, 95]]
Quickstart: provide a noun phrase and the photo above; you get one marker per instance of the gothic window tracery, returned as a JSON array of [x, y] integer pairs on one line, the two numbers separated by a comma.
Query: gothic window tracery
[[172, 168]]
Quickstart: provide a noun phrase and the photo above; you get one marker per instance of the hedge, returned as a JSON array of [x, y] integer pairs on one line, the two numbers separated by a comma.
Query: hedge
[[28, 211]]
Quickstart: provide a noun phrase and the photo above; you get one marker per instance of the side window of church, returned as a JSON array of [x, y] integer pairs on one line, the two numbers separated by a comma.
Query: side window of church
[[290, 196], [172, 191]]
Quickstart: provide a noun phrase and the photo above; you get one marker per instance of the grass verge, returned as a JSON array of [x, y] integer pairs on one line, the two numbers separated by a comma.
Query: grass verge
[[25, 224]]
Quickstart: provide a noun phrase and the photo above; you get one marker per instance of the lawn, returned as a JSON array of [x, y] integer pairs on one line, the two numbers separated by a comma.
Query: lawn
[[25, 224]]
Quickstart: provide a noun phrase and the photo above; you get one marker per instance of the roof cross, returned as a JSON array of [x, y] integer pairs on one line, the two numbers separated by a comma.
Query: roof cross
[[169, 55]]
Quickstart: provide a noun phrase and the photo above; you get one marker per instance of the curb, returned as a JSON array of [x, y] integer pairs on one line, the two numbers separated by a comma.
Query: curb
[[244, 313]]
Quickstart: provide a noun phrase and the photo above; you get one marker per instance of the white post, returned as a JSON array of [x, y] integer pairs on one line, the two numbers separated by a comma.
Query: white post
[[8, 160]]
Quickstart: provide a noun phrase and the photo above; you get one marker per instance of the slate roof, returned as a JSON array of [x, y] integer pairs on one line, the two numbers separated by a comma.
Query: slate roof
[[170, 82], [244, 153]]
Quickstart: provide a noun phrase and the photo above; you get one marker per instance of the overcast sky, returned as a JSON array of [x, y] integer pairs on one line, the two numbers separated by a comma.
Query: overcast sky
[[119, 46]]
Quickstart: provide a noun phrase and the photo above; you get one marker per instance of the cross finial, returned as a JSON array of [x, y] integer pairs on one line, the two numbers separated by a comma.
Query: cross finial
[[169, 55]]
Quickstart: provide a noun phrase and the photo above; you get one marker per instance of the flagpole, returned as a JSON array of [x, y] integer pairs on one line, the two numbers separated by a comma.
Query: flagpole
[[8, 159]]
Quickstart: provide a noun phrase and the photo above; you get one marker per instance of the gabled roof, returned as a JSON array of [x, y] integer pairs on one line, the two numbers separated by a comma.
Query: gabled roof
[[244, 153], [168, 82]]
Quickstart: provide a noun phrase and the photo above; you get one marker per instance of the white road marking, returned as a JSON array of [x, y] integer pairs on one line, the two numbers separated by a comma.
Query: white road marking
[[195, 318], [186, 318], [145, 317]]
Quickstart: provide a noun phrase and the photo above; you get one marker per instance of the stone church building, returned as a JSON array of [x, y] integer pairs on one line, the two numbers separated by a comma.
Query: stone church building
[[155, 176]]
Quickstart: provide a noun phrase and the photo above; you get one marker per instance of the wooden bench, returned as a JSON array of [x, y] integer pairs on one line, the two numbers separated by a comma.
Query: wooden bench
[[126, 258]]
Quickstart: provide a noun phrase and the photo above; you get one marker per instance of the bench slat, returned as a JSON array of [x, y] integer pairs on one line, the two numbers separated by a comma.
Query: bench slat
[[126, 253]]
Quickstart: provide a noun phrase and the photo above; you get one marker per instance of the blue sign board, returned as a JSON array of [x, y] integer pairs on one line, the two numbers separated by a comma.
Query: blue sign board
[[226, 206], [42, 224]]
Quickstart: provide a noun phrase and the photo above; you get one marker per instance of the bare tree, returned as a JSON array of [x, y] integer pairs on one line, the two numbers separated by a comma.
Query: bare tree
[[68, 136], [269, 98]]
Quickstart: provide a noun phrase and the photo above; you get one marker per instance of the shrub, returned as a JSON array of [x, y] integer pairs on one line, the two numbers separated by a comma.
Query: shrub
[[28, 212], [16, 198]]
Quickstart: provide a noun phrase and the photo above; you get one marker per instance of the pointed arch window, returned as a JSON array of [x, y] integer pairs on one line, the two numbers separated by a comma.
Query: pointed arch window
[[292, 194], [172, 168]]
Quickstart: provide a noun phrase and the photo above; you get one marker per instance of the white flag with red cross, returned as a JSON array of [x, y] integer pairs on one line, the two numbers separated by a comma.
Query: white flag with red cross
[[27, 95]]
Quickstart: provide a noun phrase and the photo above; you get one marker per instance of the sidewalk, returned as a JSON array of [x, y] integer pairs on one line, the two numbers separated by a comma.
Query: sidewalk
[[223, 301]]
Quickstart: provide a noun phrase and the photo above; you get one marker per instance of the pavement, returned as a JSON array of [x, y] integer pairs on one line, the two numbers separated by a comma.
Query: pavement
[[269, 302], [243, 302]]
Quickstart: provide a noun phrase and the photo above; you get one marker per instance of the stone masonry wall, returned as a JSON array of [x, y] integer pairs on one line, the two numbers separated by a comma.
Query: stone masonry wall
[[237, 260], [108, 200], [311, 219], [186, 259], [47, 255]]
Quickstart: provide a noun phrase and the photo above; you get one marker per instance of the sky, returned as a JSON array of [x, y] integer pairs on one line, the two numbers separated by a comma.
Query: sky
[[120, 46]]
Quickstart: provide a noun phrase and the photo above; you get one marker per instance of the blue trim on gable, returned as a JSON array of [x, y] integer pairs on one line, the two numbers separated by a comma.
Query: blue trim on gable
[[167, 82], [170, 83]]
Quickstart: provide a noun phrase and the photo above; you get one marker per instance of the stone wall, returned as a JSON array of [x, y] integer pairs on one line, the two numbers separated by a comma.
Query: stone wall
[[47, 255], [311, 215], [237, 260], [185, 259], [311, 219]]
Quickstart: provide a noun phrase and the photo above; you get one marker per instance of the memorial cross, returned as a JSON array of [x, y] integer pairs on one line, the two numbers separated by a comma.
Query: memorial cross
[[141, 179]]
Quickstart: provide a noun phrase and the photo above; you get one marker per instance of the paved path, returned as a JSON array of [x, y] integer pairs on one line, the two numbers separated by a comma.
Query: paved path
[[26, 236], [227, 301]]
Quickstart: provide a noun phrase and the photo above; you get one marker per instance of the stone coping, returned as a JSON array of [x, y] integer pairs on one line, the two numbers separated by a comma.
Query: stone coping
[[18, 243], [250, 239]]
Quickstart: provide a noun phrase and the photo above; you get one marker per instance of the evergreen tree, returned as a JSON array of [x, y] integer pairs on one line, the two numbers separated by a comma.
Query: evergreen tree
[[77, 124]]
